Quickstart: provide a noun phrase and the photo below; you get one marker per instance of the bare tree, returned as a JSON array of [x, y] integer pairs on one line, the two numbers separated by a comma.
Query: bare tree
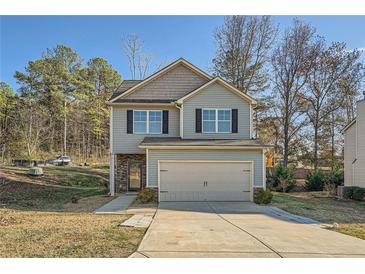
[[243, 43], [291, 64], [351, 84], [139, 61], [323, 97]]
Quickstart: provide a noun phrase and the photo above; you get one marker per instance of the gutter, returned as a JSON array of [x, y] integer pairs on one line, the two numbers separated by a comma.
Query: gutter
[[204, 147]]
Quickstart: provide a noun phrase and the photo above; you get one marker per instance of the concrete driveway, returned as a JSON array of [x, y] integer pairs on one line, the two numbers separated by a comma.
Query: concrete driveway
[[238, 229]]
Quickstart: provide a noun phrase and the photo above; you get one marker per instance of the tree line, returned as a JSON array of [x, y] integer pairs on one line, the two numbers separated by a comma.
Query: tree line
[[306, 86], [59, 109]]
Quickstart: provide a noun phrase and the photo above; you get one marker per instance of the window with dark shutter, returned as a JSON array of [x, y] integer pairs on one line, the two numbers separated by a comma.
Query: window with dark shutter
[[198, 120], [165, 120], [129, 121], [234, 120]]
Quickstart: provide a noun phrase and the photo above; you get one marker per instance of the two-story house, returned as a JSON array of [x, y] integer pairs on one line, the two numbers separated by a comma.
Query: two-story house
[[186, 134], [354, 148]]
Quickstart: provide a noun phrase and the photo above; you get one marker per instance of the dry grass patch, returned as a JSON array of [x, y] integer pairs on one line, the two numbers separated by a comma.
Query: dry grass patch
[[50, 216], [355, 230], [45, 234], [323, 207], [88, 204]]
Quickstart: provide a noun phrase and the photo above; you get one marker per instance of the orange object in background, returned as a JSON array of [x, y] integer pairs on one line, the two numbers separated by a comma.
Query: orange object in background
[[270, 159]]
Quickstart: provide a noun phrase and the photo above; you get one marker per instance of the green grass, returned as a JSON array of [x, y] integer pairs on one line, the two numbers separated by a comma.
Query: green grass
[[321, 206], [39, 216]]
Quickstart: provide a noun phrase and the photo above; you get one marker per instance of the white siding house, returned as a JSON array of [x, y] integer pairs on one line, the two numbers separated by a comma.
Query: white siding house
[[354, 154]]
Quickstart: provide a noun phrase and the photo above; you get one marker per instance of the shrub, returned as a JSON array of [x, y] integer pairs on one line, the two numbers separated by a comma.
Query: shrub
[[146, 196], [263, 196], [331, 188], [348, 192], [315, 181], [281, 179], [358, 193], [335, 177]]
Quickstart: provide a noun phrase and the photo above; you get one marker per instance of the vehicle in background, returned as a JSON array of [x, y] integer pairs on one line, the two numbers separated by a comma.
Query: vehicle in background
[[60, 161]]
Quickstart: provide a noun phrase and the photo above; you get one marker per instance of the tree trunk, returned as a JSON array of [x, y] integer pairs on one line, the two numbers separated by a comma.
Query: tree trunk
[[315, 158], [333, 141], [65, 130]]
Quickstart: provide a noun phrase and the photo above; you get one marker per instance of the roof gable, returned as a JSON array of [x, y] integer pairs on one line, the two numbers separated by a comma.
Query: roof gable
[[223, 83], [124, 86], [171, 82]]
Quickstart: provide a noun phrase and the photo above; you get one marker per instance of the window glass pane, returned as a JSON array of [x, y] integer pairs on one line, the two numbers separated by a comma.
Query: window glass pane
[[208, 114], [208, 126], [224, 126], [140, 127], [155, 127], [155, 116], [155, 121], [224, 115], [140, 116]]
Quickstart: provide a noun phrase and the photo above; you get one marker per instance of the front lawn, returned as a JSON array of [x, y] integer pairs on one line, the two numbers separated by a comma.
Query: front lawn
[[323, 207], [53, 191], [51, 216]]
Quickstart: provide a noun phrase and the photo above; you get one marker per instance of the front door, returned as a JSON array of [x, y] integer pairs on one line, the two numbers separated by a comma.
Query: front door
[[134, 176]]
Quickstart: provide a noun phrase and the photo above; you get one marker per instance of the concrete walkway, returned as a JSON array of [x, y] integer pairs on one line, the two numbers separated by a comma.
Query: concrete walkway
[[228, 229], [117, 206]]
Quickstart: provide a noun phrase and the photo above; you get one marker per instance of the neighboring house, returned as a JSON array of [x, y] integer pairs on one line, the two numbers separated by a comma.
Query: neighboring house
[[354, 154], [186, 134]]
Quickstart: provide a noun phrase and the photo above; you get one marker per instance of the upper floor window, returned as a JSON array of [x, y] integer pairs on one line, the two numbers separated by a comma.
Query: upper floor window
[[217, 120], [147, 121]]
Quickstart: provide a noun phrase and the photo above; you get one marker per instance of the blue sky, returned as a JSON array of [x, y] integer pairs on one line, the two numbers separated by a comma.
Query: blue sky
[[24, 38]]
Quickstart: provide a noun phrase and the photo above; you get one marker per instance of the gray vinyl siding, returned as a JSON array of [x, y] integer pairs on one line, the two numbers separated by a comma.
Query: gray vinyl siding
[[128, 143], [359, 165], [241, 155], [349, 154], [216, 96]]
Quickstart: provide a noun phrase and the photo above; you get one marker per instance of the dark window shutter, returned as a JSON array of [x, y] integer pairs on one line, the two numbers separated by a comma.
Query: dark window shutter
[[165, 122], [129, 121], [198, 120], [234, 120]]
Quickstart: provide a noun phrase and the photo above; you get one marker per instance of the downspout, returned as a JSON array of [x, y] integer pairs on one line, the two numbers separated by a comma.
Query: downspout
[[181, 108]]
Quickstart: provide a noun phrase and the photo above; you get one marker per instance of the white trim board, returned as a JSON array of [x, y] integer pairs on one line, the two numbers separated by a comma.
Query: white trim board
[[203, 147]]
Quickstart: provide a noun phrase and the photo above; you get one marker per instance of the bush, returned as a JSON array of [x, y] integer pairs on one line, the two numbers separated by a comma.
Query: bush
[[146, 196], [263, 197], [358, 193], [281, 179], [348, 192], [335, 177], [315, 181]]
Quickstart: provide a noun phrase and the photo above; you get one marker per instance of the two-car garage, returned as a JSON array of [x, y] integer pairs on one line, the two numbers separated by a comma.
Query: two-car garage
[[204, 170], [204, 180]]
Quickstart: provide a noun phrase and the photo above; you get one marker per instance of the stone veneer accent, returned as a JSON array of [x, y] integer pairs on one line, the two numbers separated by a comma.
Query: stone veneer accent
[[121, 178]]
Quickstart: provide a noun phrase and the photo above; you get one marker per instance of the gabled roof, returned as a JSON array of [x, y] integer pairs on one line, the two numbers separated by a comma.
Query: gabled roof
[[223, 83], [124, 86], [159, 73]]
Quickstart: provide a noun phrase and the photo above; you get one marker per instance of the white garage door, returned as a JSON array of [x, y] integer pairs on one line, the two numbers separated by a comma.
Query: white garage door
[[205, 181]]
